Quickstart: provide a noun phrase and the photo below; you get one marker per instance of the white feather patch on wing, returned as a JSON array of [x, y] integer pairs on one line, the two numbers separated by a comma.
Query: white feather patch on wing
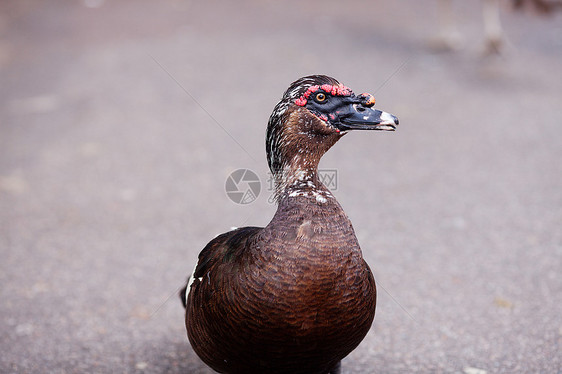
[[190, 283]]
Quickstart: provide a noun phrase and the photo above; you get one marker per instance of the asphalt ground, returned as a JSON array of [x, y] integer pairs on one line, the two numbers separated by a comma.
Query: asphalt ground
[[121, 122]]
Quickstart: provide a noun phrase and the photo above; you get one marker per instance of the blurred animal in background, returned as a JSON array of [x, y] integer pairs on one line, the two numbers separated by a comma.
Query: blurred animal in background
[[542, 6], [449, 39]]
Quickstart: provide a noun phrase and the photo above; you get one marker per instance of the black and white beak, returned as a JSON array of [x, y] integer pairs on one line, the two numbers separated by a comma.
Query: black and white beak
[[359, 117]]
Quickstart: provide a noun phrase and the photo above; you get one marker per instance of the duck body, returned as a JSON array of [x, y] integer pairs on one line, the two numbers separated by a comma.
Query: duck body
[[315, 294], [295, 296]]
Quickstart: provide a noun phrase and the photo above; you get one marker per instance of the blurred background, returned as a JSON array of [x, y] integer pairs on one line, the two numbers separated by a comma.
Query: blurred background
[[122, 120]]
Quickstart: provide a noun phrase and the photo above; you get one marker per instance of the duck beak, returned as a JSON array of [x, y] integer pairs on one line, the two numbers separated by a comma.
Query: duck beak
[[360, 117]]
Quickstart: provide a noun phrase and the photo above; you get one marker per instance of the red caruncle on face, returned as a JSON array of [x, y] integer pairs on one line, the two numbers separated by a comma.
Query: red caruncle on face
[[334, 90]]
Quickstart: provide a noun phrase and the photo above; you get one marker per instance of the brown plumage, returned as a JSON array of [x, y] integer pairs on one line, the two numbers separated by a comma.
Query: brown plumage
[[295, 296]]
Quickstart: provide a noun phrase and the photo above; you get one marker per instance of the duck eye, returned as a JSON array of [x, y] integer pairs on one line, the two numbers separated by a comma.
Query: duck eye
[[320, 97]]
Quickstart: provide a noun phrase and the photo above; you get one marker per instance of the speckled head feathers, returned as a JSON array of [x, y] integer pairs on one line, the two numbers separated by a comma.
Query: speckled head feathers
[[293, 95], [313, 114]]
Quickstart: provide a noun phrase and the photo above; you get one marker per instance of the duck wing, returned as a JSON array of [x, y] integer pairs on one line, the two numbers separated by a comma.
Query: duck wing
[[222, 248]]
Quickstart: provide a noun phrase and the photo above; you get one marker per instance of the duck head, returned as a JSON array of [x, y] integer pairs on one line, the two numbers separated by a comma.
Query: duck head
[[313, 114]]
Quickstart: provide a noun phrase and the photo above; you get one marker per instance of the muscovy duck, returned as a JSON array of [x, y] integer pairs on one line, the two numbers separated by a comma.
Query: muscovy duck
[[295, 296]]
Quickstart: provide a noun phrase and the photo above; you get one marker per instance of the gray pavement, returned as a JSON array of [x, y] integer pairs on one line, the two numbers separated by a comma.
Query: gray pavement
[[120, 122]]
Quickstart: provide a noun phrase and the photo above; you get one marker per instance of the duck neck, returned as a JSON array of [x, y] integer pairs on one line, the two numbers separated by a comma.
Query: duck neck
[[294, 150], [296, 178]]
